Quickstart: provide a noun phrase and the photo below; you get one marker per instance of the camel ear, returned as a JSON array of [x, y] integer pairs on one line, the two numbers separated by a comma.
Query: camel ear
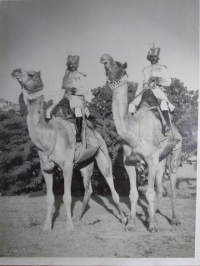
[[23, 107], [125, 65]]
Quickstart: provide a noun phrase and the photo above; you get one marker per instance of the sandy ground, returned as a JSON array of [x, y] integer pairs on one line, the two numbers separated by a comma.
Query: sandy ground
[[99, 233]]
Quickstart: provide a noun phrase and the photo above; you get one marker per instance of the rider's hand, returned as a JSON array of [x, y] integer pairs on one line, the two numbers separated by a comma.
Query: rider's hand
[[158, 81], [152, 79]]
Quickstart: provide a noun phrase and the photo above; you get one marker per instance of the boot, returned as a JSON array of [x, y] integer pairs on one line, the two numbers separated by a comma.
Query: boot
[[166, 117], [79, 123]]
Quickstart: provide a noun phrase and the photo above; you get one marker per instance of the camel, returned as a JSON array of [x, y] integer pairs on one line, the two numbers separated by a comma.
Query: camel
[[56, 145], [143, 139]]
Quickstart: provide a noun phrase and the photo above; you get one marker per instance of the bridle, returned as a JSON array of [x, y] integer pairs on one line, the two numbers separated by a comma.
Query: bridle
[[34, 95], [118, 81]]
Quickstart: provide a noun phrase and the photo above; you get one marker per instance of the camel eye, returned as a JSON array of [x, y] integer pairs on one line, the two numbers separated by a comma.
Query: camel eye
[[31, 75]]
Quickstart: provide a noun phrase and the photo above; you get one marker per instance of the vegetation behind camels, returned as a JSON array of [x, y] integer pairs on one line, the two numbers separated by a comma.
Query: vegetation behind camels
[[19, 161]]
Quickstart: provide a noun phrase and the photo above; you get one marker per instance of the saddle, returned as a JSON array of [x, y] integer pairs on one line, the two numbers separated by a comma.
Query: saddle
[[65, 116], [62, 109], [92, 143], [174, 138], [149, 100]]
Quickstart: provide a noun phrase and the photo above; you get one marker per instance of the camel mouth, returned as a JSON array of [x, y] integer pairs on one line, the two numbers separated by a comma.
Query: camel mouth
[[17, 73], [104, 59]]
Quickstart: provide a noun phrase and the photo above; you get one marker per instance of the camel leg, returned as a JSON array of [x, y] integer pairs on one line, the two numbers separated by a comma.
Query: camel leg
[[152, 163], [133, 194], [105, 165], [67, 168], [159, 177], [174, 162], [50, 196], [87, 174], [50, 201]]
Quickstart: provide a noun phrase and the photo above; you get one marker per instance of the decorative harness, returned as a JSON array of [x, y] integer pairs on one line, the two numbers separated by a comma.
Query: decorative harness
[[118, 83]]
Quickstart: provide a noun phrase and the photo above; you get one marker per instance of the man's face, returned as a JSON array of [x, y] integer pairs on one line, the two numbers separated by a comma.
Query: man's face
[[154, 59], [73, 65]]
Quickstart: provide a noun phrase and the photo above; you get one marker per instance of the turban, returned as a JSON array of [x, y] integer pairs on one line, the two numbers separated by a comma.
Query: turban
[[73, 58], [153, 51]]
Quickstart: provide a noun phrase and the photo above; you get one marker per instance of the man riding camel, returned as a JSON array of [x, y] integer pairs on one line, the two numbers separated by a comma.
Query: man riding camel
[[75, 86], [155, 77]]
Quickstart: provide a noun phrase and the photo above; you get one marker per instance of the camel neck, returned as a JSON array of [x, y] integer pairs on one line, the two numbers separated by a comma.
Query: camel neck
[[40, 132], [35, 111], [119, 108], [122, 119]]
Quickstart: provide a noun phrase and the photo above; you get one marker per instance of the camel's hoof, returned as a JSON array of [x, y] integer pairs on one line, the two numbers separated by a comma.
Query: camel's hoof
[[129, 227], [153, 229], [175, 221], [47, 229], [124, 220], [70, 227]]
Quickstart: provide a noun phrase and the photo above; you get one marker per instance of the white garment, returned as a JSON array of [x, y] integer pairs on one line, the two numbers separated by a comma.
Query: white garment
[[77, 80], [158, 71], [163, 79]]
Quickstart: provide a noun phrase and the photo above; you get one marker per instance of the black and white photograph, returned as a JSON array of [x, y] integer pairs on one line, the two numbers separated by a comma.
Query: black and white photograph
[[99, 132]]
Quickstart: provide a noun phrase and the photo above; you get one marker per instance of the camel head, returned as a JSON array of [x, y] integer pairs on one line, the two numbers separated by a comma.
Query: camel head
[[114, 70], [29, 80]]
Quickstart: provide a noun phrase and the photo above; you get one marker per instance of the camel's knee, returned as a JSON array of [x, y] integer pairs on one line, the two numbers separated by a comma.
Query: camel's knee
[[159, 191], [88, 189], [133, 196], [160, 194], [150, 194], [174, 166], [107, 171]]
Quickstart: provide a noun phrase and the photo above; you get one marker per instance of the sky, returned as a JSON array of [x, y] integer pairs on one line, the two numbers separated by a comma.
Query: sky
[[39, 35]]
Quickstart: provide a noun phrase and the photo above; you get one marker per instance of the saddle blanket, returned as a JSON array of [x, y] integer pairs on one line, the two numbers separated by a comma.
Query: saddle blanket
[[92, 142]]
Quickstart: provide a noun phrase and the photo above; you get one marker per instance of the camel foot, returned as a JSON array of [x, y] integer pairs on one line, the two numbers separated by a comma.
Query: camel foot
[[152, 225], [47, 229], [175, 221], [130, 226], [153, 229], [123, 220], [70, 226]]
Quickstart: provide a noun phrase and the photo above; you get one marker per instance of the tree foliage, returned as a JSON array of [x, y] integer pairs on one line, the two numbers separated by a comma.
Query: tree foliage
[[18, 155], [185, 115]]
